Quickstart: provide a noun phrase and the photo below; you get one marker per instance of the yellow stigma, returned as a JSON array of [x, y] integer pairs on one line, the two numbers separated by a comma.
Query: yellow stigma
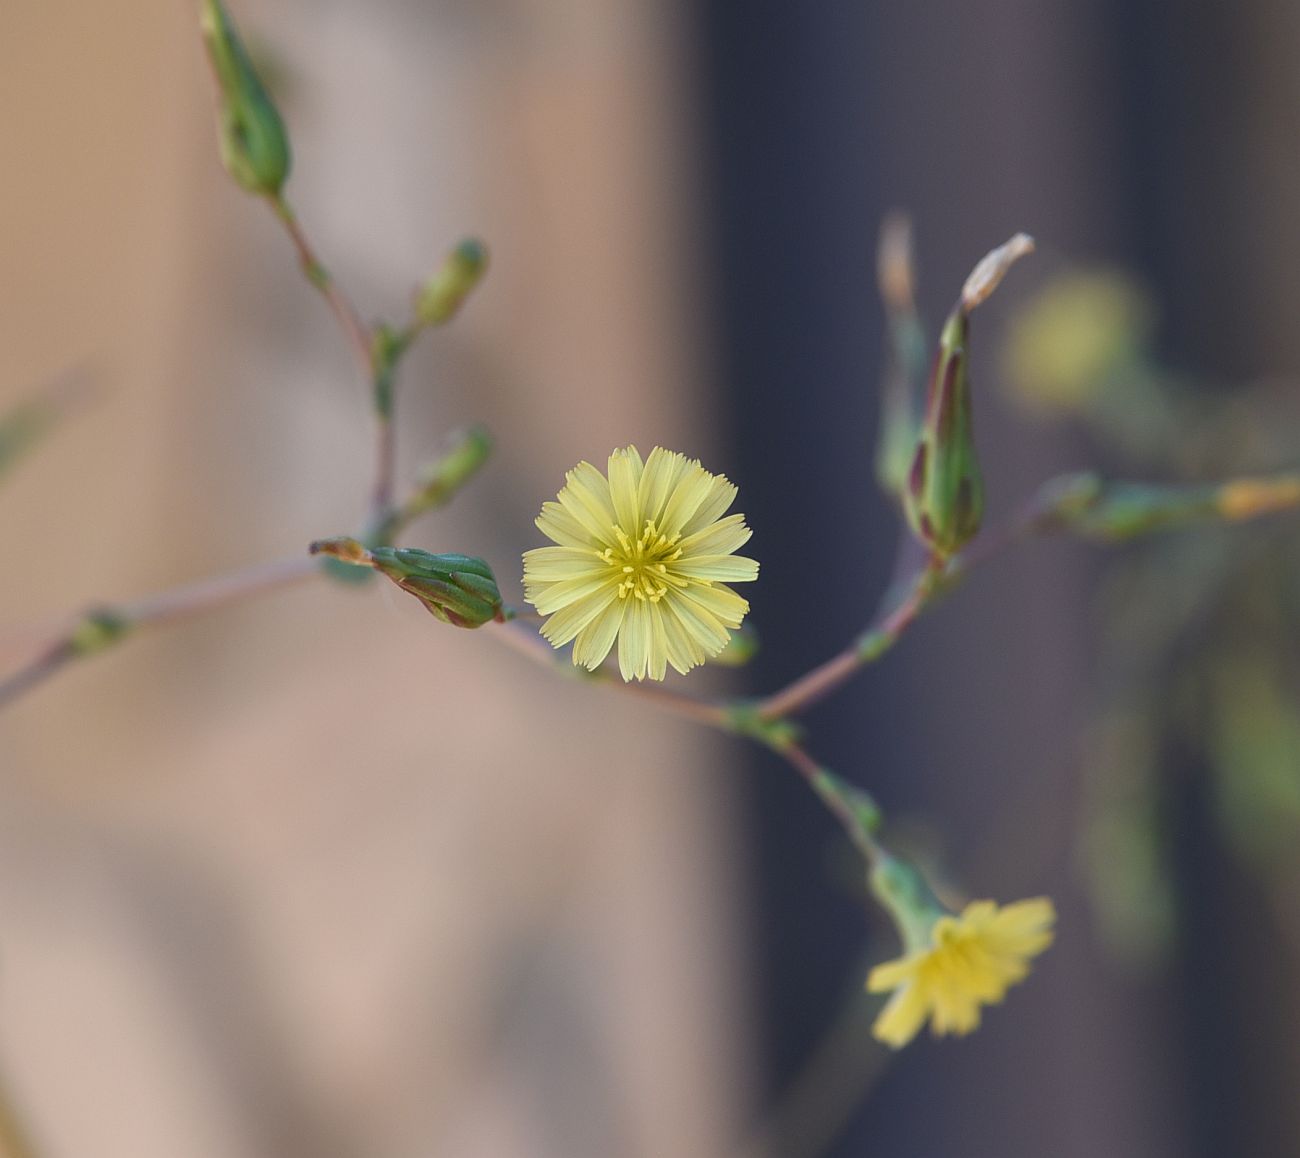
[[643, 558], [642, 563]]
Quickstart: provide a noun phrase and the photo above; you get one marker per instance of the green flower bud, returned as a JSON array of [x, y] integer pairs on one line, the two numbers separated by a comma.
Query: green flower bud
[[944, 496], [445, 292], [458, 589], [254, 144], [441, 479]]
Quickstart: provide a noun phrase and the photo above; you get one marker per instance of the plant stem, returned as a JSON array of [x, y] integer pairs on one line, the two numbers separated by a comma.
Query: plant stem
[[357, 333], [868, 647], [528, 643], [101, 627]]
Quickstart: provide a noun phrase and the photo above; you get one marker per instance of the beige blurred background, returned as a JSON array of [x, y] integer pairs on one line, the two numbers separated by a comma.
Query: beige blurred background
[[317, 875]]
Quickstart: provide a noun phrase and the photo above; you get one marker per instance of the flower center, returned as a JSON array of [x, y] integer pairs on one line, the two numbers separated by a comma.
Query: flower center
[[643, 563]]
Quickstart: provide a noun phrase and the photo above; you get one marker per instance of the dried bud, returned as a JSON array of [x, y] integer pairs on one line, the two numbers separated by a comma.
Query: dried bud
[[343, 549], [991, 269], [445, 292], [458, 589], [254, 144]]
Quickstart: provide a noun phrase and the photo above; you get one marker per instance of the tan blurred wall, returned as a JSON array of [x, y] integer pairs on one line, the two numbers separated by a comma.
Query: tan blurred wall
[[317, 876]]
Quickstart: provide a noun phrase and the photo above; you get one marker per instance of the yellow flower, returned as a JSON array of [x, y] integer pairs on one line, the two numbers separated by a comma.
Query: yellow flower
[[972, 960], [643, 558]]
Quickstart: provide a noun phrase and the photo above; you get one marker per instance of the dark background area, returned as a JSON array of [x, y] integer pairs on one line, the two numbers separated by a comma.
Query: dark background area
[[1155, 136]]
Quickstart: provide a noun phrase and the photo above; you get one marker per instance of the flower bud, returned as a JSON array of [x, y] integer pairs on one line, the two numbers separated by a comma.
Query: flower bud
[[445, 292], [254, 144], [442, 478], [944, 496], [458, 589]]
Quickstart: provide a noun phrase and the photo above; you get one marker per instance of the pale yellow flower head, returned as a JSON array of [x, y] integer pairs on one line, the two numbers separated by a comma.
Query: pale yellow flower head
[[643, 558], [971, 961]]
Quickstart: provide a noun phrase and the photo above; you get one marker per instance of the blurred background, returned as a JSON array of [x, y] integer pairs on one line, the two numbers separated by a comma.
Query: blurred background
[[315, 876]]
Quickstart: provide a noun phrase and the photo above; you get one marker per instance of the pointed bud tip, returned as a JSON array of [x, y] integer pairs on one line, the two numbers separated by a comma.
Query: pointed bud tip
[[992, 268]]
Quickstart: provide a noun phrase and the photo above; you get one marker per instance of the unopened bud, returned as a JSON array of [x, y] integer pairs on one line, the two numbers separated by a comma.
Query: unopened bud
[[458, 589], [441, 479], [254, 144], [445, 292], [944, 495]]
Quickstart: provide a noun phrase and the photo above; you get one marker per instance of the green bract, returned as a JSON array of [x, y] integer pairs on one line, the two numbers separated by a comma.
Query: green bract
[[458, 589]]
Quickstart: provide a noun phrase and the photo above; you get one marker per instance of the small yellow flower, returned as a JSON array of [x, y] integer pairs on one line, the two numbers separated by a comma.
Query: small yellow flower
[[972, 960], [643, 558]]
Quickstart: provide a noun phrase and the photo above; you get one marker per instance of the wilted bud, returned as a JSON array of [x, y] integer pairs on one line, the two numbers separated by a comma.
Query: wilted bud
[[944, 495], [445, 292], [458, 589], [343, 549], [441, 479], [740, 648], [907, 897], [254, 144]]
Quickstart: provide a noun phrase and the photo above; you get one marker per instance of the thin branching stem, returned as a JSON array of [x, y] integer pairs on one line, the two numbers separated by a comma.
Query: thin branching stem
[[865, 649], [99, 627], [359, 336], [524, 640]]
